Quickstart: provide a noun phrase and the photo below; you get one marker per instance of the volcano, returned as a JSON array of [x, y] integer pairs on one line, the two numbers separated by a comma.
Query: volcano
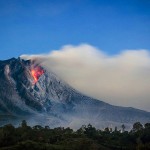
[[29, 91]]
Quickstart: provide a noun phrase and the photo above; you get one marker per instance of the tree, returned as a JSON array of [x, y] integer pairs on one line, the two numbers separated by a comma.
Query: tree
[[24, 124], [115, 129], [37, 127], [47, 127], [147, 126], [7, 136], [123, 127], [90, 130], [137, 127], [81, 130], [68, 131], [106, 130]]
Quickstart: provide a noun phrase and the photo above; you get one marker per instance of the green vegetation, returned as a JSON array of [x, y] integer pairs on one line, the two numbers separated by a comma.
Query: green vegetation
[[87, 137]]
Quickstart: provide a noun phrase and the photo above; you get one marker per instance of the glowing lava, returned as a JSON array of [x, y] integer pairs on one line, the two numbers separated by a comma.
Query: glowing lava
[[36, 73]]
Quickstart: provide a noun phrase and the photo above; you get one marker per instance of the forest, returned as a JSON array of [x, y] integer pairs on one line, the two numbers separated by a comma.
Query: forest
[[25, 137]]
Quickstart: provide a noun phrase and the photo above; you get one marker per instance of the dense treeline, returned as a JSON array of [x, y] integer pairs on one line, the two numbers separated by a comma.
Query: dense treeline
[[87, 137]]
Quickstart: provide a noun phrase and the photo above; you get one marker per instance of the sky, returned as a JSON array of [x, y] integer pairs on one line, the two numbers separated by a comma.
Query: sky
[[39, 26], [100, 47]]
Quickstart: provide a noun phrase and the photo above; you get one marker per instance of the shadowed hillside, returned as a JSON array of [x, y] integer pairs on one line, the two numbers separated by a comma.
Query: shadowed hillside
[[86, 138]]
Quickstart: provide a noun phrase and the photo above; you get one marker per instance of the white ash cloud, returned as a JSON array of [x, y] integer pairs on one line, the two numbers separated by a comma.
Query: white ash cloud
[[122, 79]]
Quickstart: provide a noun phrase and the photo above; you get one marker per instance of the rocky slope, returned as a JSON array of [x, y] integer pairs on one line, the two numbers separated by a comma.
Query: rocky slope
[[28, 91]]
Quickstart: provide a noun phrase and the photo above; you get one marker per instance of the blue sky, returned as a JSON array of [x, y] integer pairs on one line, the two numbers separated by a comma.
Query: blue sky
[[38, 26]]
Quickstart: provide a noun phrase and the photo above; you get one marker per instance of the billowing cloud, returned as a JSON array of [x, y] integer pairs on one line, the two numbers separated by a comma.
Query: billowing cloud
[[122, 79]]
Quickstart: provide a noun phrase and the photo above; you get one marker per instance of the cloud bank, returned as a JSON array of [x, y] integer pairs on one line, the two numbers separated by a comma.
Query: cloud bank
[[122, 79]]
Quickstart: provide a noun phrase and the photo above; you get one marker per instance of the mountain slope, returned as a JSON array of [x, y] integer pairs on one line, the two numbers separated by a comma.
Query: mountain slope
[[29, 91]]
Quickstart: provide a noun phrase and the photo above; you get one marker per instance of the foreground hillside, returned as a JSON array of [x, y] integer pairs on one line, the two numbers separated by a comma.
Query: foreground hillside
[[88, 137]]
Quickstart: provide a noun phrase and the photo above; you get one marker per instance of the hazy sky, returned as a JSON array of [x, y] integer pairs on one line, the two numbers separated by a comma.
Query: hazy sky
[[108, 56], [38, 26]]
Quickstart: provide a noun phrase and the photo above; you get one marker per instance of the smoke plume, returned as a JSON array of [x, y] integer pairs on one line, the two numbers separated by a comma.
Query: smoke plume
[[122, 79]]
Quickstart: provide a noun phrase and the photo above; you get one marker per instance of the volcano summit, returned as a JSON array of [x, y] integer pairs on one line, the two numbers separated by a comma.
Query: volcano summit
[[28, 91]]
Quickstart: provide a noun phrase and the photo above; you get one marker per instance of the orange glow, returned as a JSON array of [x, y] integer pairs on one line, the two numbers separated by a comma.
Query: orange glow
[[36, 73]]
